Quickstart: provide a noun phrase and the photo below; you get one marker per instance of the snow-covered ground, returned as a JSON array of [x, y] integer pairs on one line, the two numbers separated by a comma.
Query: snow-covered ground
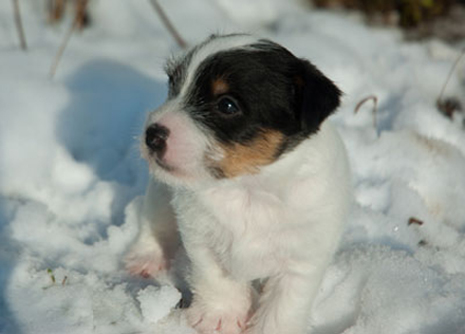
[[70, 172]]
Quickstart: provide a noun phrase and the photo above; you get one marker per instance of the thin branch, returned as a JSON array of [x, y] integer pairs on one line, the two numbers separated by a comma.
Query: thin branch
[[452, 70], [61, 50], [19, 24], [169, 26], [375, 107]]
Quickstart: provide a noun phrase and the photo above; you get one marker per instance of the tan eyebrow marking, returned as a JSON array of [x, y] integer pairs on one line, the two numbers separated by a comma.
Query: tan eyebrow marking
[[219, 87]]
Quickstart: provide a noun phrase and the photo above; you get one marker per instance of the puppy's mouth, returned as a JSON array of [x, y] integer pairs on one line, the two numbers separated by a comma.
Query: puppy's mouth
[[163, 165], [155, 161]]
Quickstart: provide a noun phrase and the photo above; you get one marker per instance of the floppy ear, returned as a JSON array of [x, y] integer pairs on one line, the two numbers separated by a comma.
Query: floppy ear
[[317, 96]]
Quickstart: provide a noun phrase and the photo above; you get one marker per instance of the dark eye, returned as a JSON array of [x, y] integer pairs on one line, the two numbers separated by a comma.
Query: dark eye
[[228, 106]]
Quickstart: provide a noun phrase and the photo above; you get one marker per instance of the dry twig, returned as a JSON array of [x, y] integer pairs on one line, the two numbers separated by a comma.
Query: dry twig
[[415, 221], [375, 107], [169, 26], [449, 106], [76, 23], [19, 24]]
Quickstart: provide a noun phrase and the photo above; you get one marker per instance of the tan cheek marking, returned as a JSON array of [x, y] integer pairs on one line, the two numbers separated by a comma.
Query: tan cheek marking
[[219, 87], [242, 159]]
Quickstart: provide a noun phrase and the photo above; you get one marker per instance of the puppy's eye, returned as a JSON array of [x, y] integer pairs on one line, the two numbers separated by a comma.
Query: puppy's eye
[[228, 106]]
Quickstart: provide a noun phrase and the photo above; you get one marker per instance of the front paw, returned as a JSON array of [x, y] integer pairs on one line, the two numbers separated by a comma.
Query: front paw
[[218, 319], [145, 262]]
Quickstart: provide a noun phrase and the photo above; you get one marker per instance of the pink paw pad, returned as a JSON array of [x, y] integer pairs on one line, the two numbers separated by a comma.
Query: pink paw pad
[[215, 323], [145, 265]]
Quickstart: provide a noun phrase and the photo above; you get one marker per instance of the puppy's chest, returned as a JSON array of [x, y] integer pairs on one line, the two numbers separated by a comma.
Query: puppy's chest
[[249, 231]]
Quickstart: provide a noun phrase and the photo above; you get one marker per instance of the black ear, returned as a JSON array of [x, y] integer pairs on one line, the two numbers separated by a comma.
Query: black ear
[[317, 96]]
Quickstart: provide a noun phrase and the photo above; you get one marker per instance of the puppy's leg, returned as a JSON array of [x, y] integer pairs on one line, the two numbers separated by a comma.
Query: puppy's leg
[[220, 304], [158, 238], [286, 301], [284, 306]]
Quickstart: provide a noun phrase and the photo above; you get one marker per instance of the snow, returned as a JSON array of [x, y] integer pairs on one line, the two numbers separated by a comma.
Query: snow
[[71, 176], [156, 303]]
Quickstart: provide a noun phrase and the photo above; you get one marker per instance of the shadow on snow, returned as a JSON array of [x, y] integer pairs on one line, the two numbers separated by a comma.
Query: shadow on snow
[[103, 120]]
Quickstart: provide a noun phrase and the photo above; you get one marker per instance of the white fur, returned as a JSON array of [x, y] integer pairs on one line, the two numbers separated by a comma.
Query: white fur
[[158, 235], [282, 224], [211, 47], [187, 146]]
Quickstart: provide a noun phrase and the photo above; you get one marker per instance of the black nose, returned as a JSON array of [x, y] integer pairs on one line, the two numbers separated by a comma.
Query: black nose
[[155, 138]]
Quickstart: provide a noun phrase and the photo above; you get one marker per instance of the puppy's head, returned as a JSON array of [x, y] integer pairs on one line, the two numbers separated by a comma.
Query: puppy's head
[[235, 103]]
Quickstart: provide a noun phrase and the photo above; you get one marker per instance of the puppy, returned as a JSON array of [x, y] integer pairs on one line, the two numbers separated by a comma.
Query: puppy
[[254, 179]]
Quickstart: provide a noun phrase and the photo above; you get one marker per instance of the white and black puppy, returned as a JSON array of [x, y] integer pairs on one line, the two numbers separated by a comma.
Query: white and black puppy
[[254, 179]]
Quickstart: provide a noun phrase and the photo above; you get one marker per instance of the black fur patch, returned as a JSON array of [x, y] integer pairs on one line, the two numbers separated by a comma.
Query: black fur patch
[[274, 89]]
